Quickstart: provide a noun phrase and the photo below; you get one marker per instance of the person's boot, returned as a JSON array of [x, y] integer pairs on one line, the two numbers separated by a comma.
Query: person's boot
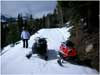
[[29, 55], [46, 58], [59, 62]]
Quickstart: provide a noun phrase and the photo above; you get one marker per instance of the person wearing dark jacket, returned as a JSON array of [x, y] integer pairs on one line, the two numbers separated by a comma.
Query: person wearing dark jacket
[[39, 47]]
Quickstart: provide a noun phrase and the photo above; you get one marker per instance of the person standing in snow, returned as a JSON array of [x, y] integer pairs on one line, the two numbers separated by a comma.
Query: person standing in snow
[[25, 35]]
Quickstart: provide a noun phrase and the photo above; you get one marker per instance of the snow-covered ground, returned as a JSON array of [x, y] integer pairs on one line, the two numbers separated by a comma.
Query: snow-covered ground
[[13, 60]]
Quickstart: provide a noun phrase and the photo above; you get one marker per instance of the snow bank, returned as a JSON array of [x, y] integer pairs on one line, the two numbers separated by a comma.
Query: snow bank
[[13, 61]]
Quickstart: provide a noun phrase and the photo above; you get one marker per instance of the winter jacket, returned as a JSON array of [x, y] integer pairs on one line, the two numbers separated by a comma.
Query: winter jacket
[[25, 34], [40, 47], [67, 52]]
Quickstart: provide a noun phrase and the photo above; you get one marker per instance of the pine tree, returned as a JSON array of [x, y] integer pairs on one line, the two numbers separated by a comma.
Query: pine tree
[[20, 23], [31, 26], [83, 32], [13, 35]]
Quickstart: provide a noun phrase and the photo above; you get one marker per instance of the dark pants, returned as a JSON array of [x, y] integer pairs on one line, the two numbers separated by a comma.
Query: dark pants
[[25, 43], [69, 58]]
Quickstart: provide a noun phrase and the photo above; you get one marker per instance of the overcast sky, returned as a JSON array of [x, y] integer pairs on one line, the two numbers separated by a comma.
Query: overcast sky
[[36, 8]]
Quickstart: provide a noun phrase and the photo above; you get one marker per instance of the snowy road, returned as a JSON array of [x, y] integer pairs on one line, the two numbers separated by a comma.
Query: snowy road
[[13, 61]]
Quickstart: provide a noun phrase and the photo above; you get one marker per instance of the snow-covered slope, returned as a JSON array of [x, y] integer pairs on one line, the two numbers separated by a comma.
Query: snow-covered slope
[[13, 60]]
